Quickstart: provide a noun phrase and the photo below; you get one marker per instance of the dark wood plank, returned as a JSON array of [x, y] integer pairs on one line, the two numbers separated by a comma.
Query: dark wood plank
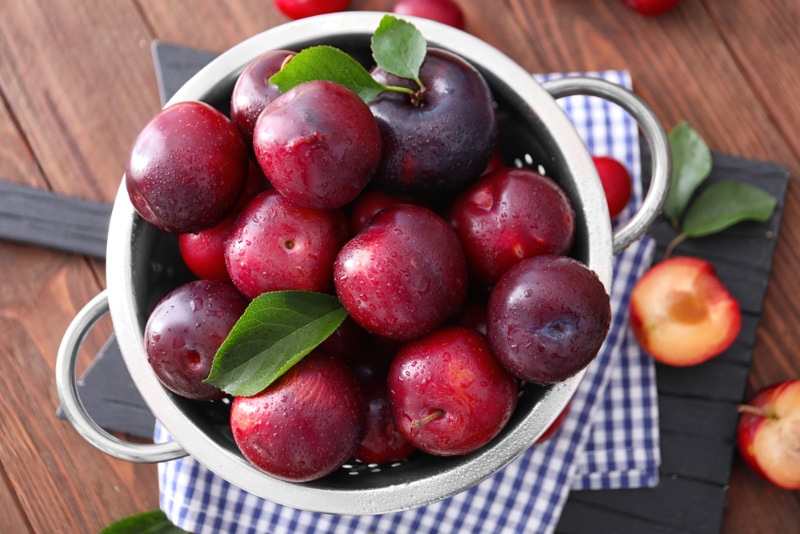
[[697, 417], [579, 514], [696, 458], [710, 380], [683, 505], [174, 66], [39, 217]]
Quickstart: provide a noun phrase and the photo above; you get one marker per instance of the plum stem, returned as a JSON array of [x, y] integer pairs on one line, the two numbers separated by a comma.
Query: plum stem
[[419, 423], [754, 410], [417, 96], [677, 240]]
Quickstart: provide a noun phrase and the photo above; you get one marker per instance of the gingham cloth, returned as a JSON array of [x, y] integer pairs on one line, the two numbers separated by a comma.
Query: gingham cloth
[[608, 440]]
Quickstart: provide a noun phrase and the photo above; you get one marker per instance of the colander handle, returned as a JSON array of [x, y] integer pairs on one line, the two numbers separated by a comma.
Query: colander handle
[[661, 175], [74, 410]]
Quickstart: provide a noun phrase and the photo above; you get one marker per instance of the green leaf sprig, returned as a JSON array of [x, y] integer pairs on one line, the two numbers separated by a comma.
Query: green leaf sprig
[[152, 522], [716, 207], [398, 47], [691, 165], [275, 332]]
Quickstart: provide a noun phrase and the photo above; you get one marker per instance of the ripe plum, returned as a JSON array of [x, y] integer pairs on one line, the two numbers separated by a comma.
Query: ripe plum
[[403, 274], [616, 181], [444, 11], [253, 90], [449, 395], [304, 425], [508, 215], [548, 317], [277, 245], [187, 168], [203, 252], [367, 205], [318, 144], [298, 9], [382, 441], [437, 142], [184, 331]]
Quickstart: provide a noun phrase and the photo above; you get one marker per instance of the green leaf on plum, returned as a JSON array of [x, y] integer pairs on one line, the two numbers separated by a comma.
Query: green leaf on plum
[[327, 63], [691, 165], [275, 332], [724, 204], [152, 522], [399, 48]]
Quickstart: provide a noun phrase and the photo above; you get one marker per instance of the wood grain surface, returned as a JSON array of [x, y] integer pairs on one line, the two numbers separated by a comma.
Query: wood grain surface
[[77, 83]]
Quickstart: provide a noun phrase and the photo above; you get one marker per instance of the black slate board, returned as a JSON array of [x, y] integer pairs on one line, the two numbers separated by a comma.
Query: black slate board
[[697, 405], [39, 217]]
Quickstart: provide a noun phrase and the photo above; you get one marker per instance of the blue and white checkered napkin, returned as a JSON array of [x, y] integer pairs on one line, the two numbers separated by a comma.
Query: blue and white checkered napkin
[[608, 440]]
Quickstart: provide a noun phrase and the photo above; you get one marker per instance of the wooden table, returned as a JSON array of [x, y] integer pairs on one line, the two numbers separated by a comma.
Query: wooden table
[[77, 83]]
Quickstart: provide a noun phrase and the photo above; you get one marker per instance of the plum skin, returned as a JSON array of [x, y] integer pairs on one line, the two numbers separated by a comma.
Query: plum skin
[[616, 181], [318, 144], [508, 215], [304, 425], [767, 433], [403, 274], [444, 11], [277, 245], [382, 441], [453, 373], [548, 317], [184, 332], [438, 146], [187, 168], [253, 90]]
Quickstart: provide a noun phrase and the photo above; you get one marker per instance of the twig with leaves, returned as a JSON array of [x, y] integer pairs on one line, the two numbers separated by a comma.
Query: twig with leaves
[[714, 208]]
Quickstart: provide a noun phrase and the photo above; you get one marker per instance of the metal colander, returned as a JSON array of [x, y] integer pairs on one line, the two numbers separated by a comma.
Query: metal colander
[[143, 264]]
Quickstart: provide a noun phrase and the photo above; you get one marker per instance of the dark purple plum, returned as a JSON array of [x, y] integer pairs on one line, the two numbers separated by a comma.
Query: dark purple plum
[[184, 331], [548, 316], [187, 168], [403, 274], [444, 139], [318, 144], [253, 90]]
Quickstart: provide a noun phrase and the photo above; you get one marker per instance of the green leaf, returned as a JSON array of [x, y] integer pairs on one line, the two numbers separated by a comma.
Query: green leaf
[[691, 165], [399, 48], [724, 204], [153, 522], [276, 331], [327, 63]]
